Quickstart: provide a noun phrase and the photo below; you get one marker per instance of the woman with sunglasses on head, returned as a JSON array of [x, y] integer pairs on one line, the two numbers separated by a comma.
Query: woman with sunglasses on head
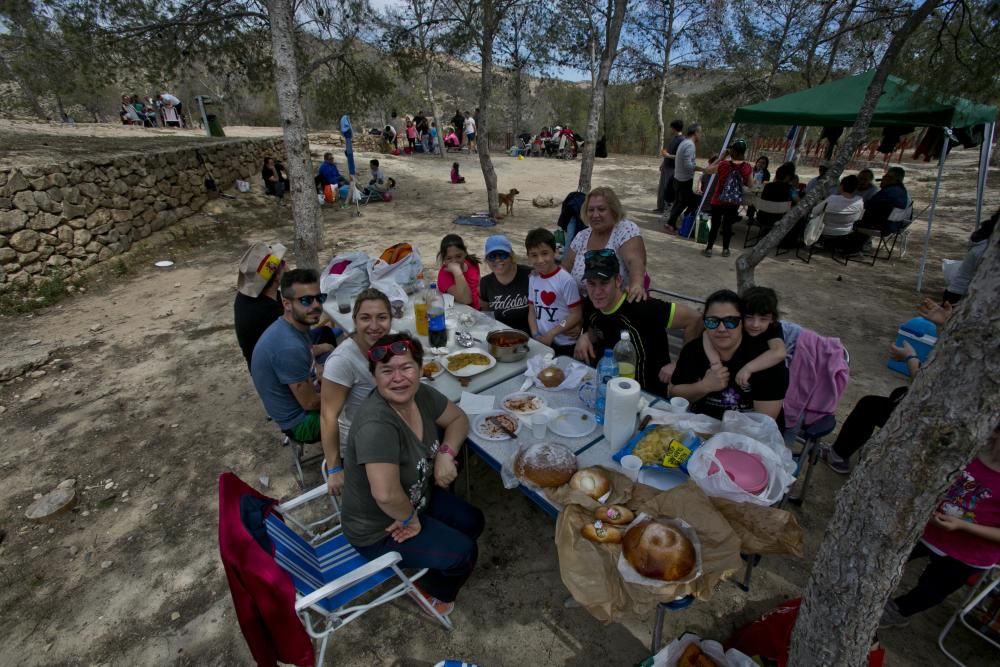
[[504, 293], [347, 382], [609, 228], [396, 470], [712, 388], [459, 272]]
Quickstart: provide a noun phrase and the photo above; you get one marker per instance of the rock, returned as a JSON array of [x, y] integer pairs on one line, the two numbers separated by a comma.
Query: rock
[[50, 505], [16, 182], [37, 374], [96, 327], [67, 484], [32, 269], [16, 363], [71, 211], [105, 564], [11, 221], [74, 550], [265, 481], [174, 616], [3, 409], [43, 221], [25, 201], [7, 255], [24, 240], [42, 200], [104, 255], [28, 257]]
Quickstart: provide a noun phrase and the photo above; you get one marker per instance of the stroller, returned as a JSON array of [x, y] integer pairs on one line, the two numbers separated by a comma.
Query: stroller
[[569, 145]]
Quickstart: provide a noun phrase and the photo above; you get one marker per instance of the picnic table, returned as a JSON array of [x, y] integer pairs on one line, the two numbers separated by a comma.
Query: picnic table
[[446, 383]]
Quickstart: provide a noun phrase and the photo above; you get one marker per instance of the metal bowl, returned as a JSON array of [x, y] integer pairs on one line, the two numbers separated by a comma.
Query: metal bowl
[[508, 345]]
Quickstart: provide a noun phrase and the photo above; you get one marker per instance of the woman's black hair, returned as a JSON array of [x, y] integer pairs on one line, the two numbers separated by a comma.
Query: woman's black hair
[[416, 349], [724, 296], [454, 165], [455, 241], [767, 162], [760, 301], [986, 229]]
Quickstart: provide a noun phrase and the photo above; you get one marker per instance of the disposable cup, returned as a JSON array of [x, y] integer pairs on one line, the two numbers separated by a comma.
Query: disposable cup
[[538, 426], [678, 404], [631, 464]]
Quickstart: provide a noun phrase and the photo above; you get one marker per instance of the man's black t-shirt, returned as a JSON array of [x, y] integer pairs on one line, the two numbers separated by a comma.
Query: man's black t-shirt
[[647, 323], [767, 385], [509, 303], [252, 317]]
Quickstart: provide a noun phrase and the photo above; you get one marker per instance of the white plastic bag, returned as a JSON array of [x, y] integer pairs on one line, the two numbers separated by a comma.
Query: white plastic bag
[[242, 186], [814, 229], [404, 272], [672, 652], [949, 267], [353, 278], [761, 428], [393, 290], [719, 484]]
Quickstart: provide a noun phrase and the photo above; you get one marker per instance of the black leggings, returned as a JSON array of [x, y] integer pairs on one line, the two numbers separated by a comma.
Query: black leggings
[[684, 200], [724, 216], [943, 576], [871, 411]]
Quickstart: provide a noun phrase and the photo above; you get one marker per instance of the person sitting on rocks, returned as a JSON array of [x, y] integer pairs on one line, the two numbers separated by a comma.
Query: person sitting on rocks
[[328, 174], [608, 312], [275, 178]]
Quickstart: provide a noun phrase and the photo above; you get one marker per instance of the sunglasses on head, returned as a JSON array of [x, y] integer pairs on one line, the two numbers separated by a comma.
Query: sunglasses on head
[[731, 322], [307, 299], [380, 352], [603, 252], [497, 256]]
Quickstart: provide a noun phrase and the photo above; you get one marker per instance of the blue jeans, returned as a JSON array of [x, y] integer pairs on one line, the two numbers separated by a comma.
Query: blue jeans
[[570, 233], [446, 545]]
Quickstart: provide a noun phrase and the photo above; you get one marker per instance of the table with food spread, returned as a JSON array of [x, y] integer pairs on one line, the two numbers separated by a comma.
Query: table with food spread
[[495, 356]]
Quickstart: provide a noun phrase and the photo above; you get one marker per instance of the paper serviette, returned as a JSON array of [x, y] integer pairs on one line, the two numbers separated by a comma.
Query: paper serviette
[[475, 404]]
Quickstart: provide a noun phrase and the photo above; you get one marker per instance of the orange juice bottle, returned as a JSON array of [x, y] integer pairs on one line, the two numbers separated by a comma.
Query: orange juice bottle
[[420, 306]]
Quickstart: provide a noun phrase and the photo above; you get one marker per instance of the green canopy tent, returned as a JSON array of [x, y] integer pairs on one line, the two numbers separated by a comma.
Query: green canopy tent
[[901, 104]]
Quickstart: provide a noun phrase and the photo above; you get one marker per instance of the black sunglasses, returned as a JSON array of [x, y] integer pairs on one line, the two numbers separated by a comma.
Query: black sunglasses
[[497, 255], [731, 322], [380, 352], [307, 299]]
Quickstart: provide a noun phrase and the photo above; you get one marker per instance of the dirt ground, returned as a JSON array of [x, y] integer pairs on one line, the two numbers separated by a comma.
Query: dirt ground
[[142, 396]]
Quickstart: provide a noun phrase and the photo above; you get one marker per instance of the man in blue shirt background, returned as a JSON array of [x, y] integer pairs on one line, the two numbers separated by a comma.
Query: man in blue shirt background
[[892, 195], [328, 174]]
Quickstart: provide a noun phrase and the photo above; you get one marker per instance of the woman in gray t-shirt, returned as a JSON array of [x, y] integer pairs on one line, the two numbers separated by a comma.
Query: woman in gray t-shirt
[[397, 468], [347, 381]]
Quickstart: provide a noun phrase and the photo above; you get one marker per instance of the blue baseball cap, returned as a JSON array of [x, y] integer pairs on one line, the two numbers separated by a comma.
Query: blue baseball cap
[[499, 242]]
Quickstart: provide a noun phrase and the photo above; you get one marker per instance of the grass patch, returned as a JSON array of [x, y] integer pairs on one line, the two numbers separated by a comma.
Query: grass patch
[[27, 298]]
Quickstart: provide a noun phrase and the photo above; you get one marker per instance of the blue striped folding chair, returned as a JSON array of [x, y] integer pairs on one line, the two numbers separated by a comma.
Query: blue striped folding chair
[[334, 583]]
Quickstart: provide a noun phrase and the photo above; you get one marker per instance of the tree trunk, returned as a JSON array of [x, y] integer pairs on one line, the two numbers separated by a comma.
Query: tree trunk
[[748, 261], [668, 45], [305, 208], [948, 415], [26, 91], [490, 22], [518, 97], [613, 29], [435, 111]]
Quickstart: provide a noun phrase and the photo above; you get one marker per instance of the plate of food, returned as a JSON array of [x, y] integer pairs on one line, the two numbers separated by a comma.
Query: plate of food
[[432, 369], [496, 425], [572, 422], [523, 403], [466, 363]]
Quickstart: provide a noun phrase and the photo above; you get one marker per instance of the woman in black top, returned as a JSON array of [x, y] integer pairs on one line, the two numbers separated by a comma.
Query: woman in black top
[[275, 178], [504, 292]]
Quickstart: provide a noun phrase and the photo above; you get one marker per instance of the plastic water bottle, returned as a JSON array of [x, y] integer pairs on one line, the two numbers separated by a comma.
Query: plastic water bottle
[[437, 330], [606, 370], [420, 306], [625, 356]]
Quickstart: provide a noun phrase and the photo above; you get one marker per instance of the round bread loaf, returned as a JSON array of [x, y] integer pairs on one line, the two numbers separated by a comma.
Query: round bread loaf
[[545, 464], [597, 531], [552, 376], [591, 481], [659, 551], [616, 515]]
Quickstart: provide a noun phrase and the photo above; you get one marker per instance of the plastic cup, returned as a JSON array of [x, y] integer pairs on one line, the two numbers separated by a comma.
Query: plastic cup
[[343, 301], [679, 405], [631, 464], [538, 426]]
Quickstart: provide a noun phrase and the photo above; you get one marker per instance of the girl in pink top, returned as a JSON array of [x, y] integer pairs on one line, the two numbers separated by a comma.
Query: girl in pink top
[[411, 134], [459, 272], [962, 538]]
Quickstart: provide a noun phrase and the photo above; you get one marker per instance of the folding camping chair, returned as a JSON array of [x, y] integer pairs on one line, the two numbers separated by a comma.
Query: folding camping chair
[[772, 210], [299, 457], [835, 226], [896, 227], [331, 579], [983, 588]]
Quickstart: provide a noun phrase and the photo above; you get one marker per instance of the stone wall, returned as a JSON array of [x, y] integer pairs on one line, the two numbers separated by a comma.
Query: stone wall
[[61, 218]]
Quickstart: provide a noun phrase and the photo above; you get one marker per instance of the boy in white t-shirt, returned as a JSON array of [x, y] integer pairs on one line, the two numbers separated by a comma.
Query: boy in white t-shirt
[[557, 310]]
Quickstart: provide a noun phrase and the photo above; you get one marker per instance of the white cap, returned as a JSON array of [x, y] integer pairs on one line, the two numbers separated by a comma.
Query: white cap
[[625, 336]]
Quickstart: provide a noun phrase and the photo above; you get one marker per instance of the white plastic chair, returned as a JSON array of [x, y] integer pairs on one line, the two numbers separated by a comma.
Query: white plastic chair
[[332, 580], [987, 584], [771, 208]]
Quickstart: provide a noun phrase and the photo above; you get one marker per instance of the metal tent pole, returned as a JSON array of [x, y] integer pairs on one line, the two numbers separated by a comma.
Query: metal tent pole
[[934, 198], [711, 179], [791, 150], [985, 150]]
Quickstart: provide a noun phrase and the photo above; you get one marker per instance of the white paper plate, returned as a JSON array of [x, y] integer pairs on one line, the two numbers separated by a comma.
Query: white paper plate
[[440, 369], [470, 370], [478, 421], [523, 394], [164, 263], [572, 422]]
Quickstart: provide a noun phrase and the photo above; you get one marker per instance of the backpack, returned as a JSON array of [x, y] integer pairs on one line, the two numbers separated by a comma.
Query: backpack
[[732, 190], [571, 211]]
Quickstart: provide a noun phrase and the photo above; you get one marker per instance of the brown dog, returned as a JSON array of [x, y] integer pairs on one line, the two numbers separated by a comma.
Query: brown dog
[[507, 200]]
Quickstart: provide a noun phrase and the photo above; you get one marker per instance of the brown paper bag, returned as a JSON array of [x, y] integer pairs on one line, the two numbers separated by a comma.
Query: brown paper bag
[[762, 530]]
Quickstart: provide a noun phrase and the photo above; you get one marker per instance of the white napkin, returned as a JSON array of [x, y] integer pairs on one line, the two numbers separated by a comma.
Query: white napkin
[[449, 300], [575, 372], [475, 404]]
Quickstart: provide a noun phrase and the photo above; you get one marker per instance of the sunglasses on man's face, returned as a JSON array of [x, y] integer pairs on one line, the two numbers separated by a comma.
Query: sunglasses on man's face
[[380, 352], [307, 299], [498, 256], [731, 322]]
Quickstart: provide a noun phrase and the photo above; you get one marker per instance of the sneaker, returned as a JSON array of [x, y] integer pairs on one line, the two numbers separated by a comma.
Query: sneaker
[[891, 617], [443, 608], [669, 230], [725, 252], [836, 463], [707, 252]]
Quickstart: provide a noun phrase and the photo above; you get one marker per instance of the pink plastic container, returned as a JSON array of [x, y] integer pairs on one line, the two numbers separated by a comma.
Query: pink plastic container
[[745, 469]]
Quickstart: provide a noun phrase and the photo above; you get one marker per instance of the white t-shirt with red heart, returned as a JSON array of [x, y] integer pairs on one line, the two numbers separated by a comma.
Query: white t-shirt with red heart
[[552, 296]]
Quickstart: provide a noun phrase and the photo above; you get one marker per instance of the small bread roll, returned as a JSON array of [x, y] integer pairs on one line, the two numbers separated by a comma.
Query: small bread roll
[[552, 376], [616, 515], [591, 481], [601, 533]]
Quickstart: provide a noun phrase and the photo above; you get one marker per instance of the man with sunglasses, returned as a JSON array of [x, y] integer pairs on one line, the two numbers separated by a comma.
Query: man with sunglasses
[[608, 312], [712, 389], [282, 361]]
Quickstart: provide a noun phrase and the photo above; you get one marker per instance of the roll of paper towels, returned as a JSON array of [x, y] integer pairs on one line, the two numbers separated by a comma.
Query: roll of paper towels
[[621, 407]]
